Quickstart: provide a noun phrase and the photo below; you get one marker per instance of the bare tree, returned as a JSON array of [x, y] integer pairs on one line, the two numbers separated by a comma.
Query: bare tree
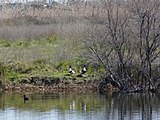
[[146, 20], [130, 33], [111, 47]]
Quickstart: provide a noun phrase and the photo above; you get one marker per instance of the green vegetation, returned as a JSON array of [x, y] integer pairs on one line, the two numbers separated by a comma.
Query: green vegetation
[[23, 59], [121, 44]]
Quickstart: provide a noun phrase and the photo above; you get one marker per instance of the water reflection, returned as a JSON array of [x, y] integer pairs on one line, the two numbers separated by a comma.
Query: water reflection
[[72, 105], [61, 106], [83, 106]]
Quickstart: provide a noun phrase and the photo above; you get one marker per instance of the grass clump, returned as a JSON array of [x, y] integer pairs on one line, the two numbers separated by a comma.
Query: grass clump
[[5, 43], [22, 43]]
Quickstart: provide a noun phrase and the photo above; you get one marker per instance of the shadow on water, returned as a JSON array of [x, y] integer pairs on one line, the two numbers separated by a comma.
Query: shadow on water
[[82, 106]]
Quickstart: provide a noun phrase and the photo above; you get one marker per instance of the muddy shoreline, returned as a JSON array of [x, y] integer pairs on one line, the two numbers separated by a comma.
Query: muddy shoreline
[[48, 84], [48, 89]]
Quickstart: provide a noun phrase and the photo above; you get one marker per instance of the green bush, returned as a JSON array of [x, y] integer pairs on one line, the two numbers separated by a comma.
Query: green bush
[[22, 43], [5, 43]]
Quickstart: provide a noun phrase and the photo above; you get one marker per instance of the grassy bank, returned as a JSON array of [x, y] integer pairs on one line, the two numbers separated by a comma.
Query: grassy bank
[[43, 57]]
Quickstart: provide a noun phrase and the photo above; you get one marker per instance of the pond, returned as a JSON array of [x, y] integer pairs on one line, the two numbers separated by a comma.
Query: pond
[[72, 106]]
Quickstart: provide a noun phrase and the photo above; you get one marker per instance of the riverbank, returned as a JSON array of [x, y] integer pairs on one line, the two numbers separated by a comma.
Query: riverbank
[[50, 84], [75, 85], [49, 89]]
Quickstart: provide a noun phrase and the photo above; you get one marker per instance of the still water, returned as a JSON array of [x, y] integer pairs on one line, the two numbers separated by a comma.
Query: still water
[[62, 106]]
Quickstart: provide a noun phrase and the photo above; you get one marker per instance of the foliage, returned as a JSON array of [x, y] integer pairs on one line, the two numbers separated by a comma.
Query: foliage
[[4, 43]]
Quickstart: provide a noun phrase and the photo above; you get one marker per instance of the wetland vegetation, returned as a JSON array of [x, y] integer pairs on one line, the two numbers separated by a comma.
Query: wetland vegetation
[[118, 41]]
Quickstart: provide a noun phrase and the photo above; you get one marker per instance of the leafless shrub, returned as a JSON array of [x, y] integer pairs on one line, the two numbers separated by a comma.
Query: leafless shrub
[[131, 34]]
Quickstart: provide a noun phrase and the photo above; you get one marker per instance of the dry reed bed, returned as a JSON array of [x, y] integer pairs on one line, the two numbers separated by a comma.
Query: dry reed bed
[[29, 23]]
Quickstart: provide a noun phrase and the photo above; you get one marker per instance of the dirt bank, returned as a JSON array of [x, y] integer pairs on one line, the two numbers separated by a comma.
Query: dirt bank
[[49, 84]]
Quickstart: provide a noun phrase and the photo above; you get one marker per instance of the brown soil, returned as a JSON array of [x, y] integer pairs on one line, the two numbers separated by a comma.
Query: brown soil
[[48, 84]]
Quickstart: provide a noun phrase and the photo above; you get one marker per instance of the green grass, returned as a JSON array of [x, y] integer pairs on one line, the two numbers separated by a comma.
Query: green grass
[[50, 56], [20, 70], [5, 43]]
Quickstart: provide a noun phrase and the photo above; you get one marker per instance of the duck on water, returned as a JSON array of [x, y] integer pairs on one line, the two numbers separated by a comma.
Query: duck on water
[[25, 98]]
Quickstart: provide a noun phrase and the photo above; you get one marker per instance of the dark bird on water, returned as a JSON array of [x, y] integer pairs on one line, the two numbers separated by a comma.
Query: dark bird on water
[[25, 98]]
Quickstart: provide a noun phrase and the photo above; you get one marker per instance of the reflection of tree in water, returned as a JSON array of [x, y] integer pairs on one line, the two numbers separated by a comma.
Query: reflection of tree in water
[[133, 106], [72, 105], [83, 106], [111, 107], [2, 102]]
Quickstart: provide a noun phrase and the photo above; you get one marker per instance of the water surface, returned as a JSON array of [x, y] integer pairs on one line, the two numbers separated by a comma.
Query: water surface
[[72, 106]]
